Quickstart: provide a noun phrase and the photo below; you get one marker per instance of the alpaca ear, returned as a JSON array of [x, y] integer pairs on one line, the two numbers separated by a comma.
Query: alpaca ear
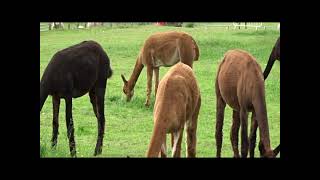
[[276, 150], [124, 79]]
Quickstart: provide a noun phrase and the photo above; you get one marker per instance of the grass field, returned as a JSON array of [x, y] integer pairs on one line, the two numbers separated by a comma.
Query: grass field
[[129, 125]]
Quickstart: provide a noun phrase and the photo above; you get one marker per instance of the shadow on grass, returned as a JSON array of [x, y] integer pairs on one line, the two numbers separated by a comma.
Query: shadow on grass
[[222, 43], [135, 103], [254, 33], [43, 151]]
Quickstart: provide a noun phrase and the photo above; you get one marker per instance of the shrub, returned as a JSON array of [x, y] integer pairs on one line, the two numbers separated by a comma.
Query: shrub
[[188, 25], [176, 24]]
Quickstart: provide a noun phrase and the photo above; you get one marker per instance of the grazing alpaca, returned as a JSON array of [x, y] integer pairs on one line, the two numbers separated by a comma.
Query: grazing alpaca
[[161, 49], [177, 106], [240, 84], [275, 55], [71, 73]]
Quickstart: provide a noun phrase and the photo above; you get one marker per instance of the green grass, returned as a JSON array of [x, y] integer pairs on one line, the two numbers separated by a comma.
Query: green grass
[[129, 125]]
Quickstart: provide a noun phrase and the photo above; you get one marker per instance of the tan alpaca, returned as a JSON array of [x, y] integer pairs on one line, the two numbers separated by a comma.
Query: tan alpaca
[[177, 106], [240, 84], [161, 49]]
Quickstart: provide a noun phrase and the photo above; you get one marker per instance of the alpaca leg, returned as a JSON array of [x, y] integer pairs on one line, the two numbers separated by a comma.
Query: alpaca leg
[[261, 148], [219, 124], [276, 150], [163, 152], [262, 120], [244, 132], [191, 142], [234, 133], [100, 93], [92, 95], [192, 132], [253, 134], [149, 85], [156, 73], [157, 139], [70, 128], [172, 140], [176, 150], [55, 122]]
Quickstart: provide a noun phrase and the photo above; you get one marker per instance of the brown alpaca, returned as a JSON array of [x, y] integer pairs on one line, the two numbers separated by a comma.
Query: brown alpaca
[[177, 106], [240, 84], [161, 49]]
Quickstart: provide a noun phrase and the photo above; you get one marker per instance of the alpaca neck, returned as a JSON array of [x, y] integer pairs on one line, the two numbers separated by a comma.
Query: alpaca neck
[[135, 74], [261, 116]]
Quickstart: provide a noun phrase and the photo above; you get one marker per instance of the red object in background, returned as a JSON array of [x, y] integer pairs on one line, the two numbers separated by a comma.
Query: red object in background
[[160, 23]]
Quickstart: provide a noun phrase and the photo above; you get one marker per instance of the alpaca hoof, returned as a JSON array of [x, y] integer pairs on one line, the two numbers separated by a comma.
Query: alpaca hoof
[[73, 154], [147, 104], [54, 145], [98, 151]]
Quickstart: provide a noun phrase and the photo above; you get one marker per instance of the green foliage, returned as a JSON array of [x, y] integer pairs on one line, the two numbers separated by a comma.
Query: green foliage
[[188, 25]]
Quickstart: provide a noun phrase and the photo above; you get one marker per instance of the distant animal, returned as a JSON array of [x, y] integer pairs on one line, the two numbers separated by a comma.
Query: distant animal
[[240, 84], [177, 106], [161, 49], [71, 73], [275, 55]]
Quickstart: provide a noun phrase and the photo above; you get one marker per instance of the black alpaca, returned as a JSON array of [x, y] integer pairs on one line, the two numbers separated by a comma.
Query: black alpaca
[[71, 73], [275, 55]]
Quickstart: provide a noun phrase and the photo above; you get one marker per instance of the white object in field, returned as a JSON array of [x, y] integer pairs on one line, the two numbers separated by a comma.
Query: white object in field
[[248, 24], [55, 25]]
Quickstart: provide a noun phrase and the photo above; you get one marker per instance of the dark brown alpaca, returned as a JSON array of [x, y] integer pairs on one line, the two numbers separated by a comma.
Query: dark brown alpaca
[[177, 106], [71, 73], [275, 55], [240, 84], [161, 49]]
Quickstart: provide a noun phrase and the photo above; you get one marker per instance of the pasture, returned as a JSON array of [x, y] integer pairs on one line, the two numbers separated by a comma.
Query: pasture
[[129, 125]]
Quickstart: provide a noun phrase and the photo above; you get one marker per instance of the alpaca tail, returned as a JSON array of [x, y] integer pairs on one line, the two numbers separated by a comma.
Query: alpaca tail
[[196, 48], [43, 95], [105, 57], [110, 72], [197, 51]]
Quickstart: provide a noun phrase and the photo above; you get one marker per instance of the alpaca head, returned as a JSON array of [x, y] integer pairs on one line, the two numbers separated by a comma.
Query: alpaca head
[[126, 90], [268, 153]]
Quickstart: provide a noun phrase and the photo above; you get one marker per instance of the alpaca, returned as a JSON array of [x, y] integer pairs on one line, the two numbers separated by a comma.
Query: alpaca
[[161, 49], [240, 84], [71, 73], [275, 55], [177, 106]]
